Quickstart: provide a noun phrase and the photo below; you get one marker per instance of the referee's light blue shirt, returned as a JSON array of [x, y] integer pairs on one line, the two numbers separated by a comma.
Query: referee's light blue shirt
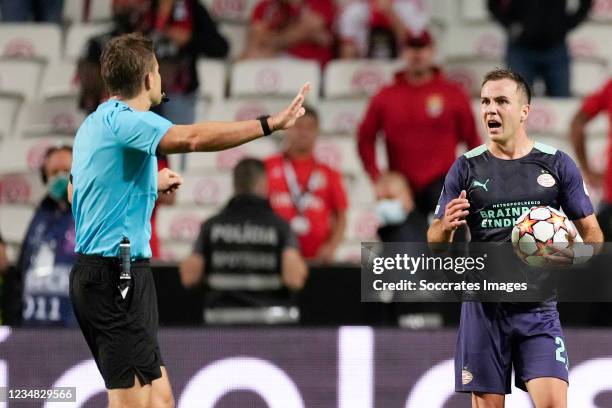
[[114, 175]]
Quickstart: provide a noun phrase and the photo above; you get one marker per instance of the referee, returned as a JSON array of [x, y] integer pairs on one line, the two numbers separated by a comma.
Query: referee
[[114, 185]]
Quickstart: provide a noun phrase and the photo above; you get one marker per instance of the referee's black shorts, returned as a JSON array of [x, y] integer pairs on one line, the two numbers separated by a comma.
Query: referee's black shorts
[[121, 333]]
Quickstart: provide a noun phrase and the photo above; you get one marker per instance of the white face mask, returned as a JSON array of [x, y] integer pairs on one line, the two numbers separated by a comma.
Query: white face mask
[[390, 212]]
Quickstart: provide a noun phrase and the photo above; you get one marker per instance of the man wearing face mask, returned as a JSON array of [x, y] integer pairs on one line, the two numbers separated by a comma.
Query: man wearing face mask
[[400, 221], [47, 253]]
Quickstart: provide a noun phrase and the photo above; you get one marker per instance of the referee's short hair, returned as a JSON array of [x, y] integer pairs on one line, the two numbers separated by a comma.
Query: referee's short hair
[[125, 62], [247, 174], [503, 73]]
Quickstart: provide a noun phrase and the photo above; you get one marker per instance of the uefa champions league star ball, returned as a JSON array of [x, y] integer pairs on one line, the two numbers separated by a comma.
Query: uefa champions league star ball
[[542, 231]]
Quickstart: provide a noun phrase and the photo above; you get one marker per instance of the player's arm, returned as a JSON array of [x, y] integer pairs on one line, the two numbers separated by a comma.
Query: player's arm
[[214, 136], [192, 270], [366, 138], [589, 229], [452, 209], [576, 203], [578, 138], [294, 269], [442, 230]]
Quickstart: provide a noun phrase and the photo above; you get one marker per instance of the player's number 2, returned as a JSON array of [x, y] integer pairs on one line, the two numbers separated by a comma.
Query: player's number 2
[[561, 349]]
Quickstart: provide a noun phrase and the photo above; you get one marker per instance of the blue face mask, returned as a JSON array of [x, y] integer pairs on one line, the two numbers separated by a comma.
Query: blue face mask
[[390, 212], [58, 187]]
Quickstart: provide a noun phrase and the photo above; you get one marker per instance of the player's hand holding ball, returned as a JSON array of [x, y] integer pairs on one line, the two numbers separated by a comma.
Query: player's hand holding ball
[[455, 212], [168, 181]]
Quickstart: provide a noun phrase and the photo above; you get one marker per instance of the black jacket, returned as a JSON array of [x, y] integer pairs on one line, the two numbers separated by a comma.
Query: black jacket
[[538, 24]]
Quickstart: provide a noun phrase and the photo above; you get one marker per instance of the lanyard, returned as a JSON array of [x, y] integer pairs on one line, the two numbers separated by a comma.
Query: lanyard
[[300, 198]]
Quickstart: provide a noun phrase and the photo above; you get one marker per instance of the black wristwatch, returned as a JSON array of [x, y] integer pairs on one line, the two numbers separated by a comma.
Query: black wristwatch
[[263, 119]]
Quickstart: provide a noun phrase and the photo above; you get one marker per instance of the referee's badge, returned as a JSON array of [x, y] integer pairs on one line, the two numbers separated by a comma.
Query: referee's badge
[[434, 105]]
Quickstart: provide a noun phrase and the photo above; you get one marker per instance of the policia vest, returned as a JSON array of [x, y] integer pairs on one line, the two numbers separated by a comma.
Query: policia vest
[[242, 248]]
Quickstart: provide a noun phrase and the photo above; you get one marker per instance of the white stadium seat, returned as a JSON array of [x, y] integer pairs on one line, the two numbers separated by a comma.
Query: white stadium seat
[[59, 79], [444, 11], [601, 11], [591, 40], [238, 11], [362, 224], [21, 188], [359, 189], [551, 116], [348, 252], [98, 10], [235, 34], [79, 34], [22, 156], [199, 163], [73, 11], [14, 221], [9, 106], [587, 75], [172, 251], [205, 188], [474, 11], [469, 72], [57, 116], [212, 76], [338, 152], [281, 77], [341, 116], [30, 41], [475, 40], [357, 78], [181, 224], [20, 76], [239, 109], [101, 10]]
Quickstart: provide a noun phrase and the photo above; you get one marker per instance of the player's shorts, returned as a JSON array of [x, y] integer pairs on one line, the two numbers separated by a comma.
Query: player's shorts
[[121, 333], [494, 337]]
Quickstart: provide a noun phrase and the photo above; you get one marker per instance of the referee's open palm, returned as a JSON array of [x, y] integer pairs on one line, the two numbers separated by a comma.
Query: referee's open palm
[[287, 117]]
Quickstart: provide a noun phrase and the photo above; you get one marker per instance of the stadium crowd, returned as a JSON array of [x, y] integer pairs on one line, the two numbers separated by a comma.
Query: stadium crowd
[[402, 94]]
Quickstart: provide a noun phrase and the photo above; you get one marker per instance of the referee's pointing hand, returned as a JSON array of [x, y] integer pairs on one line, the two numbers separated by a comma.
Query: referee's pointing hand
[[287, 117]]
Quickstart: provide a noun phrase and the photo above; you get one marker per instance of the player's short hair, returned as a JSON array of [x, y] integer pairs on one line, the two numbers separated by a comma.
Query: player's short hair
[[125, 62], [247, 174], [311, 111], [503, 73]]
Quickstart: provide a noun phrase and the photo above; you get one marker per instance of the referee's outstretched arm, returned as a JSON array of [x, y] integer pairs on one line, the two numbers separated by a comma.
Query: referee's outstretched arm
[[213, 136]]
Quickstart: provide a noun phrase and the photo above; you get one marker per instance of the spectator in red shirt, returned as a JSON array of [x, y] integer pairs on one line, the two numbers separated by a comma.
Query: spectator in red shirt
[[299, 28], [597, 102], [375, 28], [424, 117], [307, 193]]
